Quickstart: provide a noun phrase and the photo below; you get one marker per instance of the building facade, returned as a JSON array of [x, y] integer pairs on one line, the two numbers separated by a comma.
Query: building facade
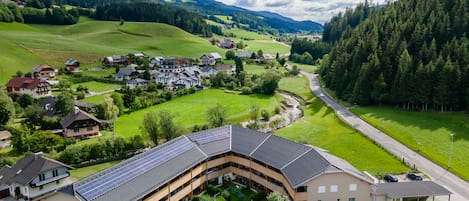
[[33, 177], [182, 167], [80, 124], [36, 88]]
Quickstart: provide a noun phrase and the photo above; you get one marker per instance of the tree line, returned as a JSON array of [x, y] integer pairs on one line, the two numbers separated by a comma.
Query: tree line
[[10, 12], [414, 54], [152, 12]]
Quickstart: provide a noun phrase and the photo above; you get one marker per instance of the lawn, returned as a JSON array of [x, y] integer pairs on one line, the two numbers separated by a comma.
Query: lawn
[[94, 86], [297, 85], [190, 109], [97, 99], [425, 132], [83, 172], [267, 46], [259, 69], [322, 128], [24, 46]]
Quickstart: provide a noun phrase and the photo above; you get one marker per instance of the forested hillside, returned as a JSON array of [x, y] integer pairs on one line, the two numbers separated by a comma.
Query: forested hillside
[[411, 53]]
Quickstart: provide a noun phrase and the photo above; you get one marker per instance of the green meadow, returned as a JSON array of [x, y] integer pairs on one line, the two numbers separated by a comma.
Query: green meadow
[[427, 133], [267, 46], [24, 46], [191, 109], [243, 34], [94, 86], [322, 128]]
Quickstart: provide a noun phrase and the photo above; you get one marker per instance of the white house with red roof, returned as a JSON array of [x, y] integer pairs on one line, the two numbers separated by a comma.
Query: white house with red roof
[[37, 88]]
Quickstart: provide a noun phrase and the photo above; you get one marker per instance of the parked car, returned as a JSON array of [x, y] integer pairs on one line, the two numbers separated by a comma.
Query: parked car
[[390, 178], [414, 176]]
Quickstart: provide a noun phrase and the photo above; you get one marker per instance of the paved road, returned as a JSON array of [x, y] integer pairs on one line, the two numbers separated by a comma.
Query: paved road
[[459, 187]]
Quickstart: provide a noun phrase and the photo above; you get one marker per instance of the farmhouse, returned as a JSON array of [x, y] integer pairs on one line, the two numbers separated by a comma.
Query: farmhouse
[[226, 43], [126, 74], [43, 71], [33, 177], [176, 65], [116, 60], [80, 124], [207, 71], [210, 59], [227, 68], [37, 88], [72, 65]]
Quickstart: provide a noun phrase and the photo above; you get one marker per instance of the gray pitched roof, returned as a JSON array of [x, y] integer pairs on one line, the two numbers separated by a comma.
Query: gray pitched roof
[[299, 163], [26, 169], [411, 189], [76, 115]]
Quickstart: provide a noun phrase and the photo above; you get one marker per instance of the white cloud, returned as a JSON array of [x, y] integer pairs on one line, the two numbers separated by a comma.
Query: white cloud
[[316, 10]]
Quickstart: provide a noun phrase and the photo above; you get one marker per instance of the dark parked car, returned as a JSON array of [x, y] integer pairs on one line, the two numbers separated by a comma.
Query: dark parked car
[[390, 178], [415, 177]]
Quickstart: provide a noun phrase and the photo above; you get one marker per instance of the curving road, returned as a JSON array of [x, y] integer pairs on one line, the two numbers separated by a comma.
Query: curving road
[[459, 187]]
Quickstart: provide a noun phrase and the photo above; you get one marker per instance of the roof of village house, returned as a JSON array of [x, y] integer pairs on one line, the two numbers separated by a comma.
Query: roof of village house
[[177, 61], [244, 54], [41, 67], [71, 62], [126, 72], [76, 115], [213, 55], [5, 135], [298, 163], [411, 189], [26, 169], [25, 82], [207, 69], [224, 67]]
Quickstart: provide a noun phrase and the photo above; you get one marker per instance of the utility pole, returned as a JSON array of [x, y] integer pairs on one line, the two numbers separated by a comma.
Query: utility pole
[[451, 150]]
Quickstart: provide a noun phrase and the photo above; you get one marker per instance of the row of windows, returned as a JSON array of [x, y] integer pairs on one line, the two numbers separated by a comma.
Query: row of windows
[[335, 188], [77, 130]]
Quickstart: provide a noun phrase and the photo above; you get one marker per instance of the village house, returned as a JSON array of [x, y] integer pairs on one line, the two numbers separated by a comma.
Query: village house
[[207, 71], [116, 60], [140, 55], [226, 43], [80, 124], [227, 68], [33, 177], [176, 65], [72, 65], [43, 71], [127, 73], [137, 83], [5, 139], [244, 54], [36, 88], [210, 59], [156, 61]]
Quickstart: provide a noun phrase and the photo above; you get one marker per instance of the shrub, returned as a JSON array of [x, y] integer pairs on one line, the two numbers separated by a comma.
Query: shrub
[[246, 90], [265, 115]]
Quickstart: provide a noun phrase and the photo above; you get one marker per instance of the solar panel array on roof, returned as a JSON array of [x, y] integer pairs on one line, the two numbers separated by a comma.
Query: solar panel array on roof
[[277, 151], [94, 187], [305, 167], [211, 135], [244, 141]]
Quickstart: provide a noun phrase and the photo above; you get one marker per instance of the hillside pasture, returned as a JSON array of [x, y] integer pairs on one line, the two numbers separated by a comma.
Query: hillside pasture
[[249, 35], [428, 133], [322, 128], [267, 46], [94, 86]]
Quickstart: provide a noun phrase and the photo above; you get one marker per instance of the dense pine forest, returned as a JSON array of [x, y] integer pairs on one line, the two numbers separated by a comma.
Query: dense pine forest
[[411, 53]]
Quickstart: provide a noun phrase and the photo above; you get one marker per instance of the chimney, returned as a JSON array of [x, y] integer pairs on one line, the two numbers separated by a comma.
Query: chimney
[[77, 110]]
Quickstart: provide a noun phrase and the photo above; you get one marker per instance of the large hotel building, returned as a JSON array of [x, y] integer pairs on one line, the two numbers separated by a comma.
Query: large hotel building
[[181, 168]]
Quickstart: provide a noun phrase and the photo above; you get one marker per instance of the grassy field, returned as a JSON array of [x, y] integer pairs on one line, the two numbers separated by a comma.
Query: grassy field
[[322, 128], [97, 99], [226, 19], [81, 173], [190, 109], [24, 46], [304, 67], [241, 33], [267, 46], [425, 132], [259, 69], [94, 86]]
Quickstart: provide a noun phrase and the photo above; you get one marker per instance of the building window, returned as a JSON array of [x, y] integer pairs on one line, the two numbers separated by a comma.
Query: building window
[[55, 173], [351, 199], [352, 187], [321, 189], [76, 130], [333, 188], [302, 189], [89, 129], [42, 177]]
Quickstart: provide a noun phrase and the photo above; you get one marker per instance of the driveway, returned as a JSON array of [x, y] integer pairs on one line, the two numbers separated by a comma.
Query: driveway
[[458, 186]]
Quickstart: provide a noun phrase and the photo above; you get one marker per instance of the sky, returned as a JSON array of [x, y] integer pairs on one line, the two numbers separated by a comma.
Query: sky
[[320, 11]]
